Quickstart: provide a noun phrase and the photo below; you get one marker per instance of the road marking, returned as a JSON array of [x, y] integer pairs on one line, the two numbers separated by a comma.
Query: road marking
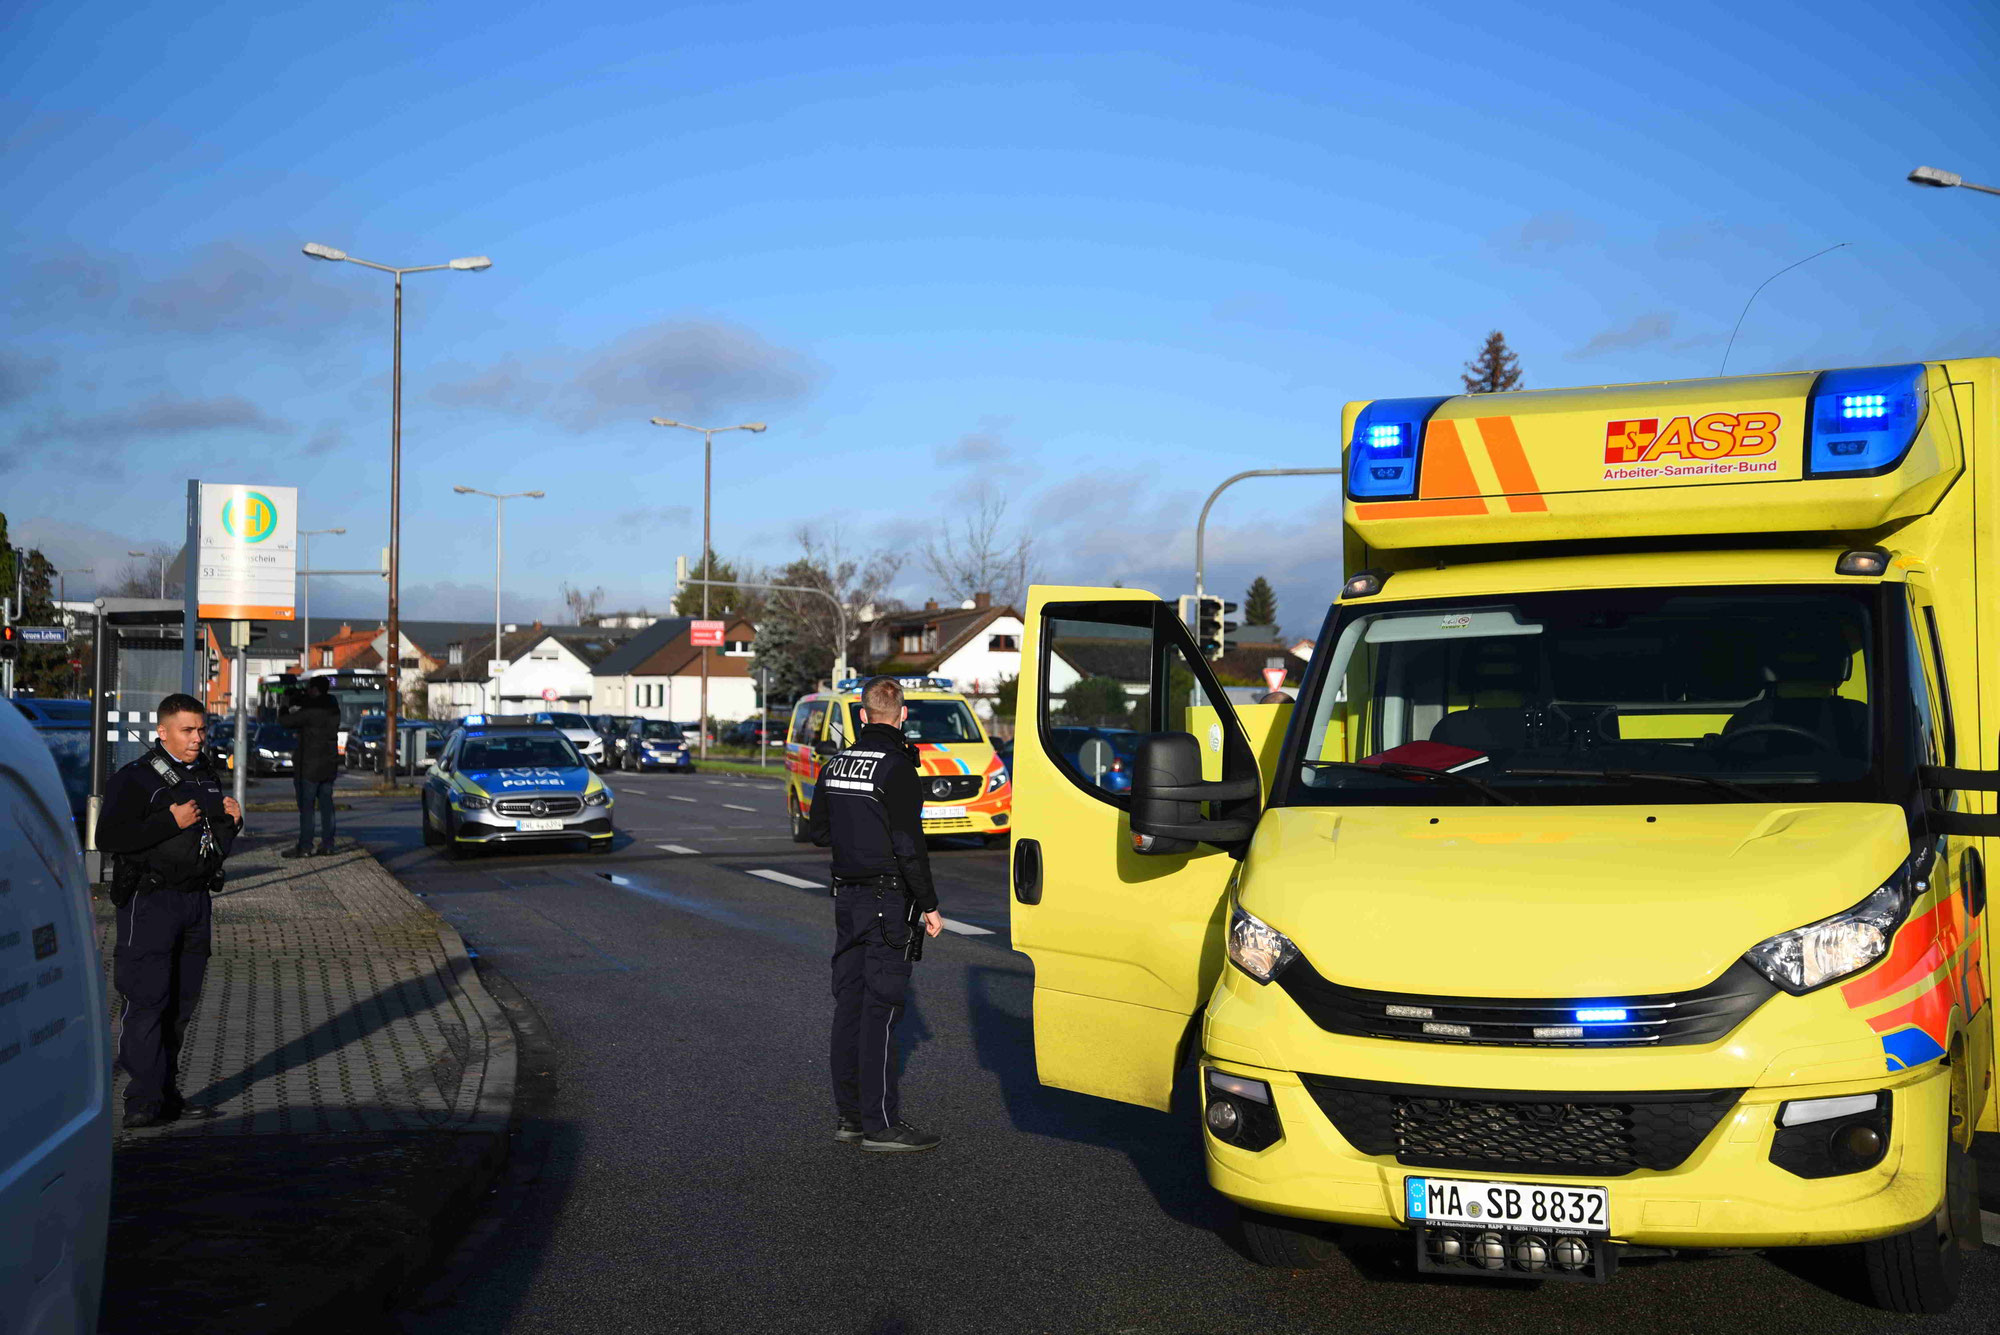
[[731, 806], [678, 848], [782, 879], [965, 928], [1989, 1227], [675, 797]]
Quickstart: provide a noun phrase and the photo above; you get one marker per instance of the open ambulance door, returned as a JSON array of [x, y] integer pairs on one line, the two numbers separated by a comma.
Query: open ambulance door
[[1126, 946]]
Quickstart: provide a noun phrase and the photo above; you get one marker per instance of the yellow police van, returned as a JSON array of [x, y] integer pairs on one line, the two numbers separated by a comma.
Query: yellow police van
[[1617, 882], [966, 787]]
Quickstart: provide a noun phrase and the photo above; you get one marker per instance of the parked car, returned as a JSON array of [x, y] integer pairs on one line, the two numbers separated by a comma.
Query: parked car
[[364, 744], [611, 728], [755, 731], [652, 743], [65, 726], [273, 750], [580, 732], [42, 713]]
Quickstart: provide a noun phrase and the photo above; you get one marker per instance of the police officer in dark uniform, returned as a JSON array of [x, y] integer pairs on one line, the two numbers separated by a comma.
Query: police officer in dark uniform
[[167, 825], [868, 807]]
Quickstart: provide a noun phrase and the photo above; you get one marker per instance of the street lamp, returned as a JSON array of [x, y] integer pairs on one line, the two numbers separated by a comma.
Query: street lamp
[[708, 435], [306, 602], [1945, 180], [394, 656], [161, 560], [1201, 524], [499, 507]]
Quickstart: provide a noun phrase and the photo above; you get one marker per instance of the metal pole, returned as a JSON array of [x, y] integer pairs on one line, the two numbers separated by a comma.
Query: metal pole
[[763, 716], [242, 714], [191, 655], [99, 752], [393, 651], [1201, 525], [306, 602], [493, 683], [707, 570]]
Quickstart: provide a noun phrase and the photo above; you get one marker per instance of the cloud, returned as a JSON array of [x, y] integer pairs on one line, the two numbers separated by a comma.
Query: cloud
[[647, 520], [225, 287], [331, 436], [699, 370], [22, 375], [1654, 327], [1544, 232], [973, 449], [162, 417], [79, 548]]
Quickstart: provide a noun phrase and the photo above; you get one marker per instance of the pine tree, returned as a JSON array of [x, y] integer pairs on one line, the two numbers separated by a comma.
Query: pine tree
[[1260, 604], [1495, 369]]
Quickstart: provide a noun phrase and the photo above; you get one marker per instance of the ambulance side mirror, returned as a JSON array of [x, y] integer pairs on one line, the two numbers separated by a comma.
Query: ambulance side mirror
[[826, 748], [1167, 795]]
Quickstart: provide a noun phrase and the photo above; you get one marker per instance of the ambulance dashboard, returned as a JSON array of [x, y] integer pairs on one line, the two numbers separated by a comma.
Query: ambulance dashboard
[[1619, 696]]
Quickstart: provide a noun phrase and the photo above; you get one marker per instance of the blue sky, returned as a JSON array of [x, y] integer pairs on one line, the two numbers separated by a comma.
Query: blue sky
[[1094, 257]]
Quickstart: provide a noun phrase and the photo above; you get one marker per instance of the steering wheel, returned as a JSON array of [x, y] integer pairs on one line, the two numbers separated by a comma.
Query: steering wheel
[[1819, 742]]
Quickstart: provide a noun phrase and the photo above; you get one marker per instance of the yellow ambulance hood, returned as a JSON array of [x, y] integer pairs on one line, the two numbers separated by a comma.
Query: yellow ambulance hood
[[1583, 901]]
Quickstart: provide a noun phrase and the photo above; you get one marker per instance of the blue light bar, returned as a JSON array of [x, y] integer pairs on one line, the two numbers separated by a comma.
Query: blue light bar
[[1602, 1015], [1384, 456], [1861, 423]]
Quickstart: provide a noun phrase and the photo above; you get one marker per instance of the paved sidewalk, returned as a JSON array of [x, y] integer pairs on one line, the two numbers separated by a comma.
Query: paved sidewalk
[[349, 1087]]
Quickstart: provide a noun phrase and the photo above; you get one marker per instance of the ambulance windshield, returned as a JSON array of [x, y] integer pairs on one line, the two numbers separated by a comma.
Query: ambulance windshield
[[1602, 697]]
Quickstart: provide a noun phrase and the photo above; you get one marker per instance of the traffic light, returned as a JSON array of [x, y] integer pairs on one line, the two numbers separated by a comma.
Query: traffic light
[[10, 642], [1211, 631]]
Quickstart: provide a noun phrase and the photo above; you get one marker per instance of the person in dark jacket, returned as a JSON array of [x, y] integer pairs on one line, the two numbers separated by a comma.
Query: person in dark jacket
[[315, 721], [167, 826], [867, 805]]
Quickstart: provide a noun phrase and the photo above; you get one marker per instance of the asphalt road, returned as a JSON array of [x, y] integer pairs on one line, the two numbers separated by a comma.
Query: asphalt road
[[680, 1171]]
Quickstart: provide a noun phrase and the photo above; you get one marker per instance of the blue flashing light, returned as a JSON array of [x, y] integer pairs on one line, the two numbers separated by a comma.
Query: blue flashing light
[[1602, 1015], [1385, 454], [1861, 423]]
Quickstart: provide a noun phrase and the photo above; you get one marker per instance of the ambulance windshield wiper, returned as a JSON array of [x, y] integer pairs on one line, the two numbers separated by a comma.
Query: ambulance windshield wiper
[[1645, 775], [1414, 773]]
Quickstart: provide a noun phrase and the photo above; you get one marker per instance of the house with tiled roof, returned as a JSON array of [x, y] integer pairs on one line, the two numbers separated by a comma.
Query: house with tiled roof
[[543, 668], [976, 645], [657, 673]]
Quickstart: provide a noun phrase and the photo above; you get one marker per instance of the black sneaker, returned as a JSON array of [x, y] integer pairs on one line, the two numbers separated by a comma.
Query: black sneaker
[[140, 1117], [323, 851], [296, 853], [902, 1138], [849, 1130]]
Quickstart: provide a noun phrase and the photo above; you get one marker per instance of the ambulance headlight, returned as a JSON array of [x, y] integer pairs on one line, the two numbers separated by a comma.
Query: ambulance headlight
[[1257, 948], [1387, 447], [1860, 423], [997, 780], [1831, 949]]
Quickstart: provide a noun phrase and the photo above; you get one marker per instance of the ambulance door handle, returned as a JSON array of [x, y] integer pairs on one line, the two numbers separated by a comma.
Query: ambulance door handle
[[1028, 871], [1972, 882]]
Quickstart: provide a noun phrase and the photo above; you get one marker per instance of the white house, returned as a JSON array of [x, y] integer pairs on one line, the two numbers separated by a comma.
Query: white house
[[657, 674], [976, 645], [544, 670]]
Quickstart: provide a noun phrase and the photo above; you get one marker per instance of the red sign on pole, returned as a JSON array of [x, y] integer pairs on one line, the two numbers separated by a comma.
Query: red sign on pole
[[549, 694], [1274, 678], [705, 633]]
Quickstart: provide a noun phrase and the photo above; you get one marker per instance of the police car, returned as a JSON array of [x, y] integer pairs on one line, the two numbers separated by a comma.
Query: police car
[[966, 787], [510, 779]]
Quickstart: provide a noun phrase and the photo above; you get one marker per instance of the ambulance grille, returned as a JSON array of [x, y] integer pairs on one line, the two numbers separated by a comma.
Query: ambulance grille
[[1658, 1020], [1517, 1131], [950, 787]]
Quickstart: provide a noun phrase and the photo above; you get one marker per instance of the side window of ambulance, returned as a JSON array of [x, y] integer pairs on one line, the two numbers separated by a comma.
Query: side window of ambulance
[[1947, 726], [1924, 711], [815, 721], [800, 716], [1107, 683], [837, 731]]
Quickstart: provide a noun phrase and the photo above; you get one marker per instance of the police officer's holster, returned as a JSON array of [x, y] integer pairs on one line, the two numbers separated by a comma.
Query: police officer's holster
[[871, 980]]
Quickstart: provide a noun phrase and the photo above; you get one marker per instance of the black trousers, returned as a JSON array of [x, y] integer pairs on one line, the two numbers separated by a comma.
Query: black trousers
[[157, 966], [314, 794], [871, 981]]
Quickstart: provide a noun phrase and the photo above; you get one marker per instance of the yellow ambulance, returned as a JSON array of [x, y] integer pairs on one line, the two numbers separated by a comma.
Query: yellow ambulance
[[966, 786], [1616, 883]]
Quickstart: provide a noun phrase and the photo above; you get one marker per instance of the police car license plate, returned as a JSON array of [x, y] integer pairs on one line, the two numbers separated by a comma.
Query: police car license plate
[[943, 813], [527, 825], [1508, 1205]]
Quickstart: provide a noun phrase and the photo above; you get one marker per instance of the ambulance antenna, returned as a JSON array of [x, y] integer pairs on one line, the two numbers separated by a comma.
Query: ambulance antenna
[[1760, 287]]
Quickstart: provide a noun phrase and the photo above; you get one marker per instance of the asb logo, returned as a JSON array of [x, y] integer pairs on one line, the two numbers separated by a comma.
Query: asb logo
[[1641, 440], [255, 521]]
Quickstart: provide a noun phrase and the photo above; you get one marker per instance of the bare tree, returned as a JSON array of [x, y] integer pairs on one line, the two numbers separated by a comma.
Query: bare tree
[[140, 576], [979, 554], [583, 605], [798, 635]]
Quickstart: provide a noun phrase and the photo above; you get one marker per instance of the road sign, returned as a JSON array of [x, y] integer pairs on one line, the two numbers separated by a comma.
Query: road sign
[[495, 666], [705, 633], [1093, 758], [42, 634], [549, 694], [248, 552], [1275, 678]]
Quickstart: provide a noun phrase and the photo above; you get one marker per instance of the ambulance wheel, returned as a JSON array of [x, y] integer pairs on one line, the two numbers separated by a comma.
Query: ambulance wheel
[[801, 834], [1285, 1244], [1920, 1271]]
